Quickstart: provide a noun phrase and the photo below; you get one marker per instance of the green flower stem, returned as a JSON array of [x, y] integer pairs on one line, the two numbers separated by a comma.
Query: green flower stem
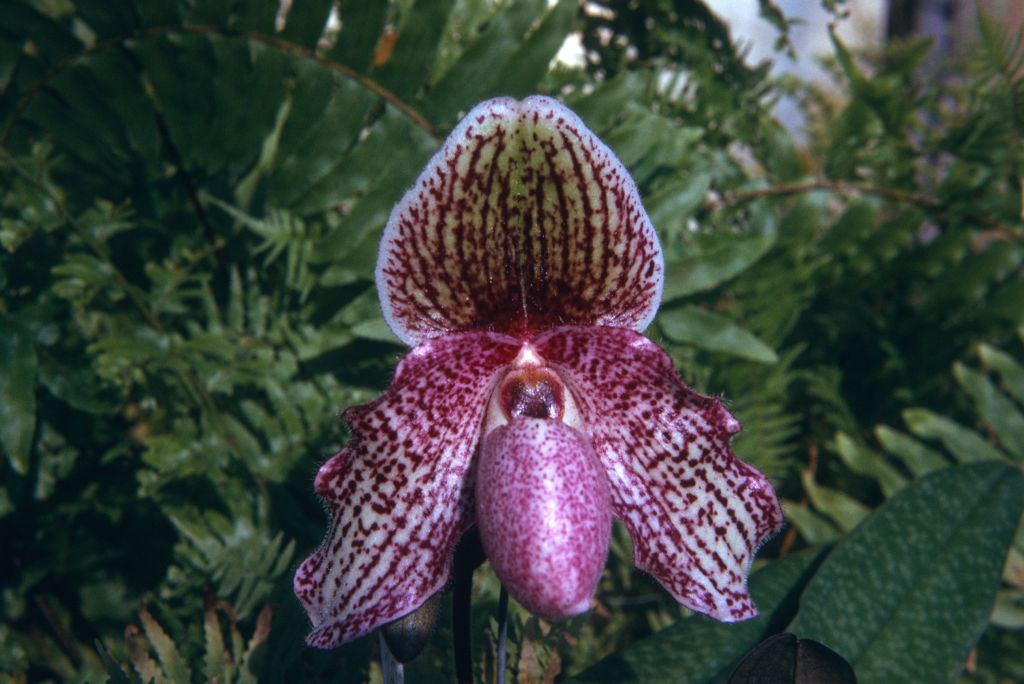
[[468, 556], [502, 632]]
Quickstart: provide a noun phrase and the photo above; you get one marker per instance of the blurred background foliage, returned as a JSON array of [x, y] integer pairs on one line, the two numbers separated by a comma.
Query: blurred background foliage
[[191, 199]]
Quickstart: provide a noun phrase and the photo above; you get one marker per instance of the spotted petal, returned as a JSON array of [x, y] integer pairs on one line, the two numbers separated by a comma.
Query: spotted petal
[[398, 495], [695, 512], [523, 220]]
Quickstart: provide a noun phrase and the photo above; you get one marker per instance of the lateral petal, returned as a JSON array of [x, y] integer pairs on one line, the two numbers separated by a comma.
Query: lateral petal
[[398, 494], [523, 220], [696, 513]]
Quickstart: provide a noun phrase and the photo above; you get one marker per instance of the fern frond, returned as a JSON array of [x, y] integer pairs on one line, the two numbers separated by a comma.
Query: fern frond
[[1004, 50]]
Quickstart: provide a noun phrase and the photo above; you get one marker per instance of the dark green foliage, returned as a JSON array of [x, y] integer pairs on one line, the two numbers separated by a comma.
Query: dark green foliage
[[905, 596], [703, 650], [191, 196]]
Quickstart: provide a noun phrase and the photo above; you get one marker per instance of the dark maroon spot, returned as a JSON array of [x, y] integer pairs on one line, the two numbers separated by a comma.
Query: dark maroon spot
[[532, 392]]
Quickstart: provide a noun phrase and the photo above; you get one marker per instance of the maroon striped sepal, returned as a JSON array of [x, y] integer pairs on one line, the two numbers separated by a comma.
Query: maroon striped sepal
[[523, 220]]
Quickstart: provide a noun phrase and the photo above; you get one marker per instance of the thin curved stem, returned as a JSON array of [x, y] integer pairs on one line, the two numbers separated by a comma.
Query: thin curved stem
[[468, 555], [502, 632], [462, 603]]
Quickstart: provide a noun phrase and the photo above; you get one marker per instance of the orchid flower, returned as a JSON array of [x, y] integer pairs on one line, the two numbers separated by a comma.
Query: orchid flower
[[521, 268]]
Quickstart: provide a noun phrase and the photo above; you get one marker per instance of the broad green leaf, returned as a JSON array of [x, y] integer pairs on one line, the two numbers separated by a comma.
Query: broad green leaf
[[416, 48], [1009, 610], [843, 509], [994, 408], [375, 329], [918, 458], [864, 461], [525, 67], [906, 595], [185, 106], [118, 83], [712, 331], [814, 528], [642, 135], [678, 201], [699, 649], [965, 445], [108, 18], [711, 268], [601, 108], [87, 102], [488, 67], [51, 38], [305, 21], [361, 27], [214, 12], [1010, 372], [254, 15], [53, 109], [354, 242], [240, 122], [268, 153], [381, 167], [328, 112], [17, 393], [780, 152]]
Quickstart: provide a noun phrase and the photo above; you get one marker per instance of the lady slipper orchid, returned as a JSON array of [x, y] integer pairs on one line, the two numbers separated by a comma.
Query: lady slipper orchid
[[520, 268]]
